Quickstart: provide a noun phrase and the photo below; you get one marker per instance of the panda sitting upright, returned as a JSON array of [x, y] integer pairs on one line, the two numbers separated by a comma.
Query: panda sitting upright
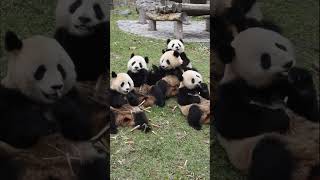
[[139, 73], [266, 113], [82, 28], [39, 111], [169, 73], [124, 104], [193, 99], [178, 45]]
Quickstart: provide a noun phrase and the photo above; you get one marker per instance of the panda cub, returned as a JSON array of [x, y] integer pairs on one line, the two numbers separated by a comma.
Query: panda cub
[[193, 99], [138, 71], [82, 28], [39, 101], [178, 45], [169, 73], [267, 110], [124, 102]]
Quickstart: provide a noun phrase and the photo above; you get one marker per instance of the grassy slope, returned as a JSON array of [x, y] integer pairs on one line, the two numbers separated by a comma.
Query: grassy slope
[[300, 23], [136, 155]]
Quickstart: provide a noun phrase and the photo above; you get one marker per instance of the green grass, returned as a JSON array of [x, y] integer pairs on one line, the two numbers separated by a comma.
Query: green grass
[[300, 23], [135, 155]]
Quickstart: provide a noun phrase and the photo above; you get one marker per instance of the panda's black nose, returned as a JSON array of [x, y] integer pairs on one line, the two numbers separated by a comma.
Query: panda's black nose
[[288, 65], [136, 67], [84, 20], [57, 87]]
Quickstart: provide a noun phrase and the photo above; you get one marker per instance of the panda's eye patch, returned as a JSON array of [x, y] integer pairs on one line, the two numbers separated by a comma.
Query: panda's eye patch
[[129, 84], [122, 84], [133, 63], [41, 70], [172, 45], [280, 46], [75, 6], [168, 62], [179, 44], [265, 61], [62, 71], [198, 76], [99, 13], [192, 80], [140, 65]]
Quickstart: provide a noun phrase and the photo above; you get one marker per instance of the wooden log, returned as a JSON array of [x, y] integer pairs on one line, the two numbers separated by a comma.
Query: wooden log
[[166, 17], [152, 25], [178, 30], [195, 9], [142, 16]]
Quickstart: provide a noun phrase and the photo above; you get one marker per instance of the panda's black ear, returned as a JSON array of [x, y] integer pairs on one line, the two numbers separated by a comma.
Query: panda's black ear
[[176, 53], [168, 40], [132, 55], [113, 74], [163, 51], [12, 42], [181, 40], [146, 59]]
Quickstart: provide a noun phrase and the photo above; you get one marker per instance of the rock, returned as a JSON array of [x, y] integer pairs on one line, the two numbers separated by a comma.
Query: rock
[[126, 12]]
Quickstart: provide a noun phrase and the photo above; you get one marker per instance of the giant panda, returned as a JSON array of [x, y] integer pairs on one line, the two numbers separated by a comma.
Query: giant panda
[[193, 99], [125, 103], [266, 114], [178, 45], [40, 115], [169, 73], [139, 73], [82, 28]]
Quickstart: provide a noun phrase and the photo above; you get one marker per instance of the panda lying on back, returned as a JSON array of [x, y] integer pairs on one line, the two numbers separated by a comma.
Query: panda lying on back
[[124, 102], [139, 73], [178, 45], [193, 99], [82, 28]]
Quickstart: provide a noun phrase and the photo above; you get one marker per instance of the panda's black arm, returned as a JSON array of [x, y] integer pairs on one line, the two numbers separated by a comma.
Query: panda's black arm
[[302, 97], [22, 121], [236, 117], [185, 97], [116, 99], [185, 59], [145, 75], [133, 98], [73, 118], [204, 91]]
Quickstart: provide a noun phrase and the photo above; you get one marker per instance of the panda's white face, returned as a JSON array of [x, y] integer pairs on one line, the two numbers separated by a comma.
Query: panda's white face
[[175, 45], [136, 63], [122, 83], [261, 56], [81, 16], [41, 70], [170, 60], [191, 79]]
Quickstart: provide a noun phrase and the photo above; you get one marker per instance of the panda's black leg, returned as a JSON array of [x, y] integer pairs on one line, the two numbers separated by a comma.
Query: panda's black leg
[[113, 127], [141, 119], [158, 94], [271, 160], [302, 97], [162, 85], [96, 169], [9, 170], [194, 117]]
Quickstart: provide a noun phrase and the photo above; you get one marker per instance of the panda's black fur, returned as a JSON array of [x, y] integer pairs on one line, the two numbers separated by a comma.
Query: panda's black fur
[[90, 53], [118, 99]]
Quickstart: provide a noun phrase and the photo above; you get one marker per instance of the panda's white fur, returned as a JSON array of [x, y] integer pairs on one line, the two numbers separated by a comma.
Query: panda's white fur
[[170, 60], [191, 79], [249, 47], [122, 83], [84, 9], [136, 63], [176, 45], [23, 64], [220, 7]]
